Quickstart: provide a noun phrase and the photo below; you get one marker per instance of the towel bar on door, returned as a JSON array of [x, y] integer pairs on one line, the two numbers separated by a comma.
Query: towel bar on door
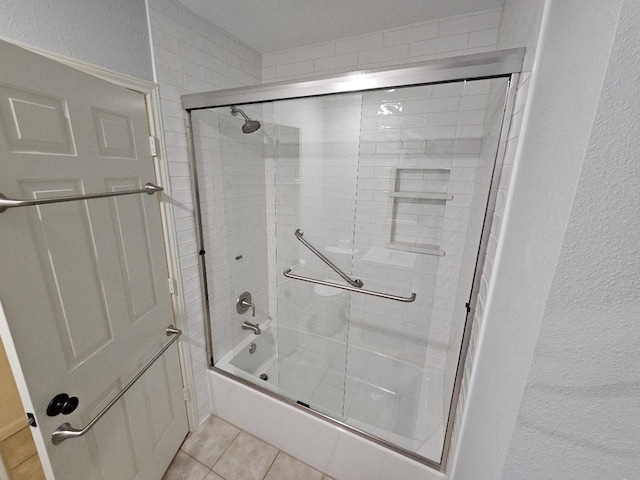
[[66, 431], [6, 203]]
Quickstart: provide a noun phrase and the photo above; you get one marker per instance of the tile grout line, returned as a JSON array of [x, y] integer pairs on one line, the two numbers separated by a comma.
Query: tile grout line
[[225, 450], [279, 451], [272, 462], [193, 458]]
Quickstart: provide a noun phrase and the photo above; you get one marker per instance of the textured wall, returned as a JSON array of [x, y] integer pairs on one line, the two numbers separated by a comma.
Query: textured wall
[[112, 33], [579, 413], [575, 44], [193, 55]]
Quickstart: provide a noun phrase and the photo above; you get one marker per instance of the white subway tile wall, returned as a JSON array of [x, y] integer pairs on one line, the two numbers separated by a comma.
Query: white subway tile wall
[[451, 36], [193, 55], [480, 32], [232, 170], [333, 164]]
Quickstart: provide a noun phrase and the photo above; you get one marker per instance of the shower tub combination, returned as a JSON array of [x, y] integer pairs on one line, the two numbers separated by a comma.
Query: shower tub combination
[[345, 225]]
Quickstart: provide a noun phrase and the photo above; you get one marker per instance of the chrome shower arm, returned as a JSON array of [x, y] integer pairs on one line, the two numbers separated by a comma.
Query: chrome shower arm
[[355, 282], [235, 110]]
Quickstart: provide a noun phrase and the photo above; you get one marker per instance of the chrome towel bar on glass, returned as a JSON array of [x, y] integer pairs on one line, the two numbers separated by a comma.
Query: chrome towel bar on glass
[[287, 273], [355, 282], [66, 431], [6, 203]]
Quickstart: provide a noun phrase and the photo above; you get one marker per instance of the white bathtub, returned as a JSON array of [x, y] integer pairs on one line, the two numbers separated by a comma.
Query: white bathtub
[[378, 394], [316, 442], [250, 366]]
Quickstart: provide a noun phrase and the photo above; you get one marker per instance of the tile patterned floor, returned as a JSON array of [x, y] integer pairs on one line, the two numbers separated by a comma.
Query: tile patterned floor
[[217, 450]]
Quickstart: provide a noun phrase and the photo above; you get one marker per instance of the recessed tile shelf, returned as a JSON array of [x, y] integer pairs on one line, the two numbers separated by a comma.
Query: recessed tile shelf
[[426, 195], [419, 199], [413, 247]]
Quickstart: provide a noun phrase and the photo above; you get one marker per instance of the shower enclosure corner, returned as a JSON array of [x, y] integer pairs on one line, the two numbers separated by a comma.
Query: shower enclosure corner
[[344, 222]]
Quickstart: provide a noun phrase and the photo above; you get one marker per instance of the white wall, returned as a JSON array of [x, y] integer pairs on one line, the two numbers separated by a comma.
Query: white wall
[[193, 55], [113, 34], [579, 413], [575, 44]]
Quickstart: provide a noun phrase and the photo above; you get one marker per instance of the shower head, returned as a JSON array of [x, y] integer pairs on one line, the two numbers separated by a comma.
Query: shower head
[[249, 126]]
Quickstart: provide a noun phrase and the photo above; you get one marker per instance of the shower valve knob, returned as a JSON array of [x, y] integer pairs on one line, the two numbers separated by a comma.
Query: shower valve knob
[[243, 303], [62, 404]]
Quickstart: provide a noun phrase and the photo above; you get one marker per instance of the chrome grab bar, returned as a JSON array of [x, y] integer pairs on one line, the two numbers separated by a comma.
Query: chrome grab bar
[[287, 273], [6, 203], [66, 431], [355, 282]]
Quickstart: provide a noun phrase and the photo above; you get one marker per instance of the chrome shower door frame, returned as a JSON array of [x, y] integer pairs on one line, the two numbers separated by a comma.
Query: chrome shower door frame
[[498, 64]]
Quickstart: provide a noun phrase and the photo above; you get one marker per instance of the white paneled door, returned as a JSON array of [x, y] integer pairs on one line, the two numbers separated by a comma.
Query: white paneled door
[[83, 284]]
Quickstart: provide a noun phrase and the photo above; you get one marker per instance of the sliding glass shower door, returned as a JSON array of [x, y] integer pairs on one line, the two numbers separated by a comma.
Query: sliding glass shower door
[[315, 169], [354, 221]]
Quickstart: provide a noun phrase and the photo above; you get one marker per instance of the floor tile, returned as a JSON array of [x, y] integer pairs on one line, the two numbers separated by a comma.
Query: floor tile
[[184, 467], [246, 459], [288, 468], [210, 440]]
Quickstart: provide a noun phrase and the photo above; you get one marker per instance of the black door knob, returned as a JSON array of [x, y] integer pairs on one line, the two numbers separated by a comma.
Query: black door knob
[[62, 404]]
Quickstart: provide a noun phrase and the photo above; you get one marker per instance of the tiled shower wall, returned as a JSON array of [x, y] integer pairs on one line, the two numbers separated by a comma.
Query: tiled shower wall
[[496, 93], [334, 176], [426, 41], [516, 26], [231, 168], [192, 55], [419, 42], [429, 131], [314, 172]]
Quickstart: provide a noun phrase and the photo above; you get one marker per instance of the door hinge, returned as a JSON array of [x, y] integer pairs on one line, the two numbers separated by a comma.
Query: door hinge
[[468, 307], [154, 145], [187, 394], [172, 286]]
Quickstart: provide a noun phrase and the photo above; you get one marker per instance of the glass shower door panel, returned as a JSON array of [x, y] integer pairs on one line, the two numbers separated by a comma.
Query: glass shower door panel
[[233, 193], [315, 163], [426, 158]]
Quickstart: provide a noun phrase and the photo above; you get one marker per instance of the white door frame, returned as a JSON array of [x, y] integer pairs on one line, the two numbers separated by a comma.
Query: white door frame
[[150, 90]]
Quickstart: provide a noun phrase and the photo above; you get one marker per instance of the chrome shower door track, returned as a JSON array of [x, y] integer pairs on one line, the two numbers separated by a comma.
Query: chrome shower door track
[[464, 67], [499, 64]]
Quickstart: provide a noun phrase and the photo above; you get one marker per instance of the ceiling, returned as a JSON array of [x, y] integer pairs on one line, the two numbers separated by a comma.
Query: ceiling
[[273, 25]]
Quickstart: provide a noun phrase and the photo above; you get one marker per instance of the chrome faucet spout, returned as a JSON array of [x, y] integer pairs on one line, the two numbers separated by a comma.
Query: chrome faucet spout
[[246, 325]]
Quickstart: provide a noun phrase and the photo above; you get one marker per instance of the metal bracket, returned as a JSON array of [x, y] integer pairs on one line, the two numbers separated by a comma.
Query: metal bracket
[[154, 145]]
